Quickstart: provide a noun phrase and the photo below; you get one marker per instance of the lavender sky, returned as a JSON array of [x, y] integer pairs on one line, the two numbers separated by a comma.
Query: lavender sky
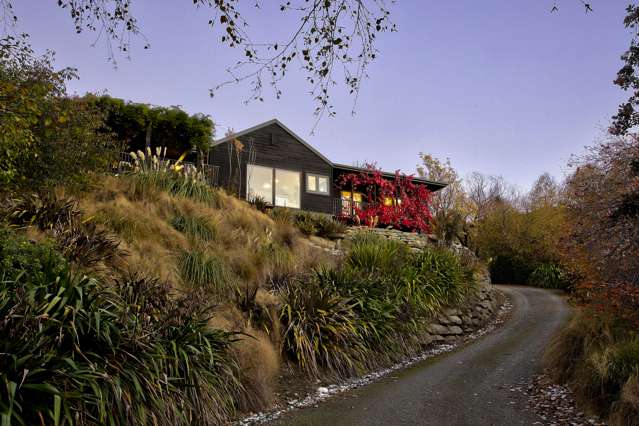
[[500, 86]]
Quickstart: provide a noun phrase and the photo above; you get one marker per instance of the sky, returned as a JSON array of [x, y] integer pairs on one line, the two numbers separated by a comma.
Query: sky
[[498, 86]]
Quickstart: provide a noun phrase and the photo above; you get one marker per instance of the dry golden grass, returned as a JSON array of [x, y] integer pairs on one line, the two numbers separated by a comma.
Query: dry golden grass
[[160, 232], [249, 243], [585, 356], [259, 368]]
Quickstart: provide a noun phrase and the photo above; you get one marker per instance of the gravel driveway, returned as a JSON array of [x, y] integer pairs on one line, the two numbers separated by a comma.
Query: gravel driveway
[[475, 385]]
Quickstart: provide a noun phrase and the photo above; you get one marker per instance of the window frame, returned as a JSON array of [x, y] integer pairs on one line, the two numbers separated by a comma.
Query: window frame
[[317, 176], [274, 184]]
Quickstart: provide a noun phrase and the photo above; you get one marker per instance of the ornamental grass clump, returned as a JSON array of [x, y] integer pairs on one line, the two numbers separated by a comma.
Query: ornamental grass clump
[[551, 275], [199, 269], [76, 351], [321, 330], [196, 227], [153, 172]]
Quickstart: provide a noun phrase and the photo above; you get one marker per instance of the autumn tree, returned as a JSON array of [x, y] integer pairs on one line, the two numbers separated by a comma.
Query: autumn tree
[[603, 202], [450, 204], [46, 137], [545, 192]]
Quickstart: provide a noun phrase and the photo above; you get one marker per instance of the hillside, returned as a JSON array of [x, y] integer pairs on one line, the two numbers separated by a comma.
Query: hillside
[[241, 291]]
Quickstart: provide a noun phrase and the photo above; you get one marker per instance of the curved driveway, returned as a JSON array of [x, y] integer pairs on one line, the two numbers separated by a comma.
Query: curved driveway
[[474, 385]]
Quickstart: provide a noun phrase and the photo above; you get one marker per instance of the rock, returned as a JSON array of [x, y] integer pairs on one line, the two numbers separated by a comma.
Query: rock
[[486, 305], [453, 329], [454, 319], [442, 319], [437, 338], [435, 329], [322, 390], [451, 312]]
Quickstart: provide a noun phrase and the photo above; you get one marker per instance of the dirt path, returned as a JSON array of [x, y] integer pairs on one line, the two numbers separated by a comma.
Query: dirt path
[[475, 385]]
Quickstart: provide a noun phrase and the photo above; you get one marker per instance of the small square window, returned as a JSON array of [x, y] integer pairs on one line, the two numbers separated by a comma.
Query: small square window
[[317, 184], [322, 184], [311, 183]]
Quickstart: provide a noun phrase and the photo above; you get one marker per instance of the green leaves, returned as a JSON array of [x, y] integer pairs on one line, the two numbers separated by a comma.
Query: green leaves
[[75, 351], [368, 311]]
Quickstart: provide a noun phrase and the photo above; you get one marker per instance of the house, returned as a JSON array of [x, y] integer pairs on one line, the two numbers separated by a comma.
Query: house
[[270, 161]]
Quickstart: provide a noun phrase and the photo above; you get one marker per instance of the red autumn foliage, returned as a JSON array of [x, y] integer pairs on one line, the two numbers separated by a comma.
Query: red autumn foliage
[[608, 300], [409, 209]]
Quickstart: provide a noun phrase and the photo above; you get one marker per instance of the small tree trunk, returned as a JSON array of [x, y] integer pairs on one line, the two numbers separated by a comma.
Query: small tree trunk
[[149, 128]]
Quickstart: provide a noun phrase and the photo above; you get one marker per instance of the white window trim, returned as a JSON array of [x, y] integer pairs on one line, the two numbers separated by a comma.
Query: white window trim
[[317, 176]]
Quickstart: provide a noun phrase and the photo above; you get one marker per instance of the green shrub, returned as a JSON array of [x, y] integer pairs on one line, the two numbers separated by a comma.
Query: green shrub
[[80, 241], [146, 182], [259, 203], [377, 255], [73, 351], [305, 223], [550, 275], [321, 329], [390, 292], [321, 225], [441, 274], [282, 214], [196, 227], [198, 269], [624, 362]]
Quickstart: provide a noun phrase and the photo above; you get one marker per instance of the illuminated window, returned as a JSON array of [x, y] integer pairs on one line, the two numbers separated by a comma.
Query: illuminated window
[[281, 186], [287, 188], [316, 184], [259, 183], [356, 196]]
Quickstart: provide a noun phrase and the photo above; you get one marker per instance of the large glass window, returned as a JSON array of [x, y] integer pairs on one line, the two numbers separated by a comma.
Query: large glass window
[[287, 188], [316, 183], [266, 182], [259, 183]]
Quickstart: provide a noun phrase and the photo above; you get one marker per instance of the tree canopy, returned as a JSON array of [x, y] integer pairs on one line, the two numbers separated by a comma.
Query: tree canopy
[[45, 136], [137, 124]]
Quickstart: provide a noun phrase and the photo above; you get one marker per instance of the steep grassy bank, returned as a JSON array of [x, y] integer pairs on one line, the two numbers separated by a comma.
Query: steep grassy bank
[[598, 357], [186, 302]]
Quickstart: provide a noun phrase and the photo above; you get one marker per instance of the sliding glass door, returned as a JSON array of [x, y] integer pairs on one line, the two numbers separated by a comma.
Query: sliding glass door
[[276, 186]]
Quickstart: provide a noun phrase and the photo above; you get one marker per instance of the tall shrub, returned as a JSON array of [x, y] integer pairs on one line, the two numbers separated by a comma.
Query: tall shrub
[[74, 351]]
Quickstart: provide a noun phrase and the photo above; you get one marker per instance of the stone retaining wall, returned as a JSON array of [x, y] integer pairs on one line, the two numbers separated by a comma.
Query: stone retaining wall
[[454, 323]]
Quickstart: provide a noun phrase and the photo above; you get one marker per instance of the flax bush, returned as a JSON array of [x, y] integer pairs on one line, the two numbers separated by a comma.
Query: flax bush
[[371, 309], [75, 351]]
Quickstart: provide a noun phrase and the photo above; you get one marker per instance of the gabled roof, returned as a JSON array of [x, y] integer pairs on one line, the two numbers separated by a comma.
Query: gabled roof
[[434, 184], [266, 124]]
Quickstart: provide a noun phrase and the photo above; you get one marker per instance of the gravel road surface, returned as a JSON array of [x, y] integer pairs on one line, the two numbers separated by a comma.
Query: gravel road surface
[[474, 385]]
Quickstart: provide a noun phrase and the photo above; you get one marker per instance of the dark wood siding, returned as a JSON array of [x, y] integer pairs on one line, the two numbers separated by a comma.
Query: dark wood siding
[[272, 146]]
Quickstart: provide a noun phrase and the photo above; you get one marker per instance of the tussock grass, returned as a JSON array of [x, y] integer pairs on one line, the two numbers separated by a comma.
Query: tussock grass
[[199, 269], [196, 227], [599, 359]]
